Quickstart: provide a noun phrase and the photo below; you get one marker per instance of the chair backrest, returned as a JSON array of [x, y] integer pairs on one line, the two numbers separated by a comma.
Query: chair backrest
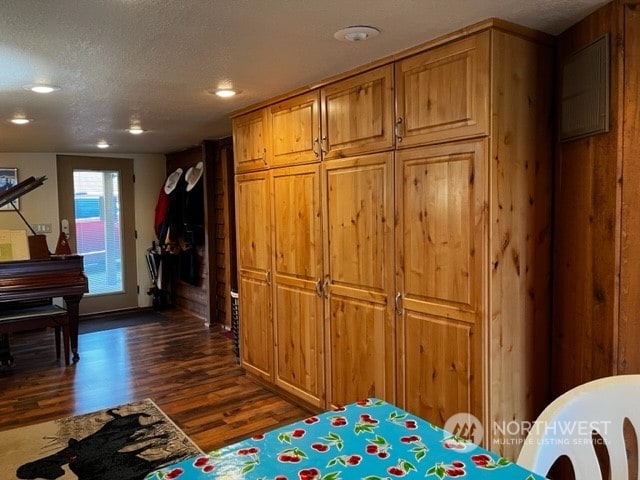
[[566, 426]]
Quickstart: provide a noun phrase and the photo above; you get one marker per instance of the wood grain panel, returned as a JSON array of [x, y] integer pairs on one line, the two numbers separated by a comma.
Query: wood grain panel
[[520, 232], [359, 350], [299, 341], [443, 93], [295, 130], [436, 371], [253, 221], [256, 326], [297, 231], [358, 212], [254, 271], [629, 332], [250, 141], [359, 223], [440, 211], [585, 245], [297, 226], [357, 114]]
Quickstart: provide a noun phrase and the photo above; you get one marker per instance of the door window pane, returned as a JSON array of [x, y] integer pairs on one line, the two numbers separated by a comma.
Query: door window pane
[[97, 219]]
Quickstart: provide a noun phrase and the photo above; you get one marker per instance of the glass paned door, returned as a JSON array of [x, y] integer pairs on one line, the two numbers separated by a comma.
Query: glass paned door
[[96, 196]]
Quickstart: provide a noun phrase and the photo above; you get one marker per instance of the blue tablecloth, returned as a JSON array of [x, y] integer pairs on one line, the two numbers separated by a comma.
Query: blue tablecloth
[[370, 440]]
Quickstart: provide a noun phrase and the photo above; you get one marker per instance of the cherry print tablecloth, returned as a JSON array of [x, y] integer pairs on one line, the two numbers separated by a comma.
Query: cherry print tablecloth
[[368, 440]]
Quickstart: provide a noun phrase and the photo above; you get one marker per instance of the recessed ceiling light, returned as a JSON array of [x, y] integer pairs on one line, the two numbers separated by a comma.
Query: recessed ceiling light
[[42, 88], [103, 144], [356, 33], [224, 92], [20, 121], [135, 130]]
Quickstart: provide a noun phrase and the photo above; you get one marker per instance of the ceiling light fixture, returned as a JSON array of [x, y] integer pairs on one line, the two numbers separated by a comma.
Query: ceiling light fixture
[[356, 33], [135, 130], [42, 88], [103, 144], [224, 92], [20, 121]]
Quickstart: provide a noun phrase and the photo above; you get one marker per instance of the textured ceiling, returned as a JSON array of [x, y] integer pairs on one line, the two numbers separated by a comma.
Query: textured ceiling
[[118, 61]]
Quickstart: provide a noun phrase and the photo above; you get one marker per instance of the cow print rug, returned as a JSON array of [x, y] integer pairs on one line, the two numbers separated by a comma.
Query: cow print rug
[[126, 442]]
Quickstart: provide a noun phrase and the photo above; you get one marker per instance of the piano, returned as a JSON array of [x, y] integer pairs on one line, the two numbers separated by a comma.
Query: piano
[[46, 278]]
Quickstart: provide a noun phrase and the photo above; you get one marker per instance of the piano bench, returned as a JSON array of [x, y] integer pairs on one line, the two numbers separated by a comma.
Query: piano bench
[[32, 317]]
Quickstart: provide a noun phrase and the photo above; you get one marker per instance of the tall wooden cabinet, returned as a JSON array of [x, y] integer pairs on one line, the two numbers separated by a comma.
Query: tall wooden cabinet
[[358, 219], [254, 272], [428, 285]]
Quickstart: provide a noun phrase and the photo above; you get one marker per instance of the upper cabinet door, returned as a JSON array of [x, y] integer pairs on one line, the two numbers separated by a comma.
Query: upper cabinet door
[[357, 114], [443, 94], [250, 137], [295, 130]]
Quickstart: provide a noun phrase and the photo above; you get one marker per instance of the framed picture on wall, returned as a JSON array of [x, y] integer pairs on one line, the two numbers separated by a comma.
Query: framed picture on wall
[[8, 179]]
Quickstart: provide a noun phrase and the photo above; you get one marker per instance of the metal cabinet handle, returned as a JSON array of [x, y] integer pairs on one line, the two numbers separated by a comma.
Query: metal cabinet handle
[[264, 156], [316, 141], [399, 129], [267, 276], [323, 145], [319, 288], [325, 286], [398, 302]]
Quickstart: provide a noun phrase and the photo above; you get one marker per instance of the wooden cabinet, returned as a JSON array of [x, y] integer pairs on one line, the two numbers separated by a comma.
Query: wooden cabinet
[[358, 217], [297, 282], [440, 237], [295, 130], [357, 114], [250, 141], [254, 271], [443, 93], [434, 253]]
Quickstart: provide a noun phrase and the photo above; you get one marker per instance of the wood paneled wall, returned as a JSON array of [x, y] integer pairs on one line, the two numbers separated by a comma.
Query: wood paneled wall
[[597, 219], [209, 299]]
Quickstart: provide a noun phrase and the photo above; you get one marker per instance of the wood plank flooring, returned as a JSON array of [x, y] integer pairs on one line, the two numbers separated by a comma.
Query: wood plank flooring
[[187, 369]]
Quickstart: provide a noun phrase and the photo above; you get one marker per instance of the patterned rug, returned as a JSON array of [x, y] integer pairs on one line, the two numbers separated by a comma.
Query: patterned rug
[[125, 443]]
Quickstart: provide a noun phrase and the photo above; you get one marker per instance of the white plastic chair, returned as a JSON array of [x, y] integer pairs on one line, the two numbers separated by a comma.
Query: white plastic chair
[[565, 428]]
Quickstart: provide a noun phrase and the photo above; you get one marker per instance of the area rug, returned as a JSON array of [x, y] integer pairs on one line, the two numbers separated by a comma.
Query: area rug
[[126, 442]]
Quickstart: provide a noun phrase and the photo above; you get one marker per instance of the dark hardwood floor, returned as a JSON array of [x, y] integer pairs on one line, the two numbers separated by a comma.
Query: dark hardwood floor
[[187, 369]]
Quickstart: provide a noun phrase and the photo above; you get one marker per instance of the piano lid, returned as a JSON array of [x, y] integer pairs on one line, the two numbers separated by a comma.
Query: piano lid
[[17, 191]]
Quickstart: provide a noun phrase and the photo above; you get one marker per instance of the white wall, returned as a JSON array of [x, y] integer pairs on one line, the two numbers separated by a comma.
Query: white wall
[[41, 205]]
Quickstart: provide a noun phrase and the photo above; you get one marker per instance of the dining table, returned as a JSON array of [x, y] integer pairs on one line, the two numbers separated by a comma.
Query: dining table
[[367, 440]]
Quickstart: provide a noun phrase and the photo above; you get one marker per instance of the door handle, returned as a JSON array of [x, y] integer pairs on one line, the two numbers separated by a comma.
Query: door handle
[[267, 276], [325, 286], [319, 288]]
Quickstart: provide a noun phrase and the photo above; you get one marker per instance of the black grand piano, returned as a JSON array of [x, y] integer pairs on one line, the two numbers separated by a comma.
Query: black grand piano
[[42, 279]]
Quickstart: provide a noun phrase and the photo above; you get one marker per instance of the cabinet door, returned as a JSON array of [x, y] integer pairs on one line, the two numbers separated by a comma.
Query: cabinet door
[[443, 94], [297, 278], [295, 126], [250, 138], [359, 255], [357, 114], [440, 201], [254, 270]]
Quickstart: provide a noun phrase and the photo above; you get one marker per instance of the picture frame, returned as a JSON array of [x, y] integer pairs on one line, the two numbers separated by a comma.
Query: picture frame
[[8, 179]]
